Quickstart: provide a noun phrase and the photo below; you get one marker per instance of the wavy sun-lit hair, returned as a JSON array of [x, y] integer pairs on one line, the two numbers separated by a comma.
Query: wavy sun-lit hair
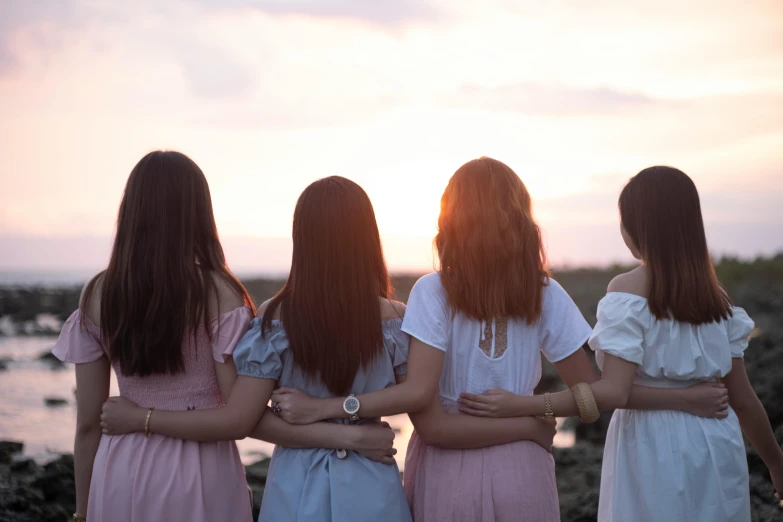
[[492, 259]]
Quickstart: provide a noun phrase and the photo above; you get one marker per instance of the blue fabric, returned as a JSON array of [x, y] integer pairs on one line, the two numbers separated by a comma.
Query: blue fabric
[[313, 485]]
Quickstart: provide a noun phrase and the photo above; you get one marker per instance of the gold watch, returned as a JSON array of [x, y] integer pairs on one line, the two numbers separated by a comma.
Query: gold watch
[[78, 518]]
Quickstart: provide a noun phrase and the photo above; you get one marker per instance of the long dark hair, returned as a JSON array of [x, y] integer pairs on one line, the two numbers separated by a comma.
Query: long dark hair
[[661, 212], [157, 288], [330, 305], [492, 259]]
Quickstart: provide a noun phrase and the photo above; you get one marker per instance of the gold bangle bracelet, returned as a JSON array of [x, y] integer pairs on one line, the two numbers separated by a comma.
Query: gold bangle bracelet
[[585, 403], [147, 423]]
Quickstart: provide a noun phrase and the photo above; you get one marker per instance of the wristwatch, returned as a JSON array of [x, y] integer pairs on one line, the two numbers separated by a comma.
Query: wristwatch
[[351, 406]]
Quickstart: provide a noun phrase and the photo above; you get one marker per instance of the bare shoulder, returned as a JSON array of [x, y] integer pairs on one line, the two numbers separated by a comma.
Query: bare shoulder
[[392, 309], [91, 305], [633, 282], [227, 296], [263, 307]]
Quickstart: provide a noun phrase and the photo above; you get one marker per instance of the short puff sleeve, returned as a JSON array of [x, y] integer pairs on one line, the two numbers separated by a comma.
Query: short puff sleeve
[[622, 321], [397, 343], [739, 327], [78, 343], [428, 314], [227, 330], [562, 329], [259, 355]]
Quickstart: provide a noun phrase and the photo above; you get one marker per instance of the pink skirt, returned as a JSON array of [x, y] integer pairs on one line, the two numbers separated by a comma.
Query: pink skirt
[[140, 479], [510, 482]]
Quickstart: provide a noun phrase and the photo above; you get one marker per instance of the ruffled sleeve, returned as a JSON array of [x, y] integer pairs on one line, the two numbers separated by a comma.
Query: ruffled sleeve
[[562, 329], [739, 328], [77, 344], [622, 321], [428, 315], [257, 355], [396, 342], [227, 330]]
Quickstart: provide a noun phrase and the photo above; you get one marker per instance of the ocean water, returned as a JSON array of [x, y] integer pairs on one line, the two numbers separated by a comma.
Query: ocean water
[[47, 431]]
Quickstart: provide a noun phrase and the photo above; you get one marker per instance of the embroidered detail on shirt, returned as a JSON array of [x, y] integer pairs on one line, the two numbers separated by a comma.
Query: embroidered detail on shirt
[[500, 336]]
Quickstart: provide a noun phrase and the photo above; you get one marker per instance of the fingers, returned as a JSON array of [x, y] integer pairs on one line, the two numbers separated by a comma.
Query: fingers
[[722, 414], [385, 425], [473, 397], [495, 392], [476, 405], [475, 413]]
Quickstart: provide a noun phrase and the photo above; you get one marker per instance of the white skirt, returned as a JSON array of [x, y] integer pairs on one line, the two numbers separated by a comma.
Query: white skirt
[[670, 466]]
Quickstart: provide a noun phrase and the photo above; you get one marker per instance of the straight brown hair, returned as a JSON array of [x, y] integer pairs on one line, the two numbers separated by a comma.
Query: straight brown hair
[[661, 212], [493, 262], [330, 304], [157, 288]]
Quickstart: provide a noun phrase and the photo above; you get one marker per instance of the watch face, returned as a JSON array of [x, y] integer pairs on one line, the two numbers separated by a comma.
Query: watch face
[[341, 453], [351, 405]]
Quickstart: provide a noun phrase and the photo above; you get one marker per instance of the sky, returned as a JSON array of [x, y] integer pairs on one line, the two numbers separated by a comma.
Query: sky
[[268, 95]]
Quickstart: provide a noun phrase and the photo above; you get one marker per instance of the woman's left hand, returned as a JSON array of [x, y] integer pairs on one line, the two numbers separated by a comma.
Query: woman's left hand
[[120, 416], [492, 403], [295, 406]]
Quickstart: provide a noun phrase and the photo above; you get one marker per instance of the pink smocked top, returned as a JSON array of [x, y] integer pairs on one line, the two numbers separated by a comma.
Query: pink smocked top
[[193, 389]]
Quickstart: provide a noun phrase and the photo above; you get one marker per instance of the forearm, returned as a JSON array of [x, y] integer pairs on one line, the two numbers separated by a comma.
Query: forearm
[[405, 397], [454, 431], [646, 398], [84, 450], [756, 427], [200, 425], [607, 398], [317, 435]]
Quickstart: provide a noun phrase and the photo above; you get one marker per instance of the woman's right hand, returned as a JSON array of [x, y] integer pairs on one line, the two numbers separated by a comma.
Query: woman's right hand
[[375, 441], [120, 416], [710, 399]]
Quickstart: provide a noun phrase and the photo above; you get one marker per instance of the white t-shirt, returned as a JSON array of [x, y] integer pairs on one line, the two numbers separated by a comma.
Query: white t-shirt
[[560, 331]]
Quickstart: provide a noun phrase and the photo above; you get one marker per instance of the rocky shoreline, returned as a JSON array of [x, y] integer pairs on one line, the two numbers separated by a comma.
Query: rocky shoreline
[[30, 492], [33, 492]]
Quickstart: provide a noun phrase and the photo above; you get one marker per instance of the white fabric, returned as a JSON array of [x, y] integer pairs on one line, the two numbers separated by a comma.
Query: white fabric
[[560, 331], [670, 466]]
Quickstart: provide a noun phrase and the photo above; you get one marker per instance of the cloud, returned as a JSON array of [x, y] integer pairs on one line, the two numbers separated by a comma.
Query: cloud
[[211, 73], [384, 13], [549, 100]]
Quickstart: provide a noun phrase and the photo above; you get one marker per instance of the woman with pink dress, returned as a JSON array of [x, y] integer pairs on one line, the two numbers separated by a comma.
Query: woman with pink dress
[[166, 315]]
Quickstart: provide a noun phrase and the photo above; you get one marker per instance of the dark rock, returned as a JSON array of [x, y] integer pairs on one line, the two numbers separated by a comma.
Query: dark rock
[[8, 449], [4, 363], [53, 402], [25, 467], [256, 479]]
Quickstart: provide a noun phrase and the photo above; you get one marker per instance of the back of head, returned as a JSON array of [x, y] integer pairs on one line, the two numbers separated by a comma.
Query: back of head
[[330, 304], [160, 277], [492, 259], [661, 212]]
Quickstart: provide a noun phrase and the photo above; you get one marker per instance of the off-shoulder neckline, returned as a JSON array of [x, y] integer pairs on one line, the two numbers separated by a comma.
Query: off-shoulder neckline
[[625, 294]]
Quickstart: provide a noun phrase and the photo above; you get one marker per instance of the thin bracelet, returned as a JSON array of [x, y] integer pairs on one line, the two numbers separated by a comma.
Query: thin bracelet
[[549, 413], [147, 423]]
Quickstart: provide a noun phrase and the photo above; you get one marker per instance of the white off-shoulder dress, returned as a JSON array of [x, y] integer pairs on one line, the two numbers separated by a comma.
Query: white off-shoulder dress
[[671, 466]]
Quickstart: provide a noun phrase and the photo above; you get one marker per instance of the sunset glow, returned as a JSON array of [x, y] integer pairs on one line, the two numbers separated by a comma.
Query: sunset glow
[[267, 96]]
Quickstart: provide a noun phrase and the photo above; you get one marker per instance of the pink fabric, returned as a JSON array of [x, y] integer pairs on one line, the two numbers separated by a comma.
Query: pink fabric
[[511, 482], [138, 479]]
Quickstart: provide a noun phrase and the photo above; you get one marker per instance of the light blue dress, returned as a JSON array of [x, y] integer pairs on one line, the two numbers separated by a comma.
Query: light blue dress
[[313, 485]]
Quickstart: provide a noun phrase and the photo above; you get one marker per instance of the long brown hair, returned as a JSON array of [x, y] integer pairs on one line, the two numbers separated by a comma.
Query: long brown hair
[[492, 259], [330, 304], [157, 288], [660, 211]]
